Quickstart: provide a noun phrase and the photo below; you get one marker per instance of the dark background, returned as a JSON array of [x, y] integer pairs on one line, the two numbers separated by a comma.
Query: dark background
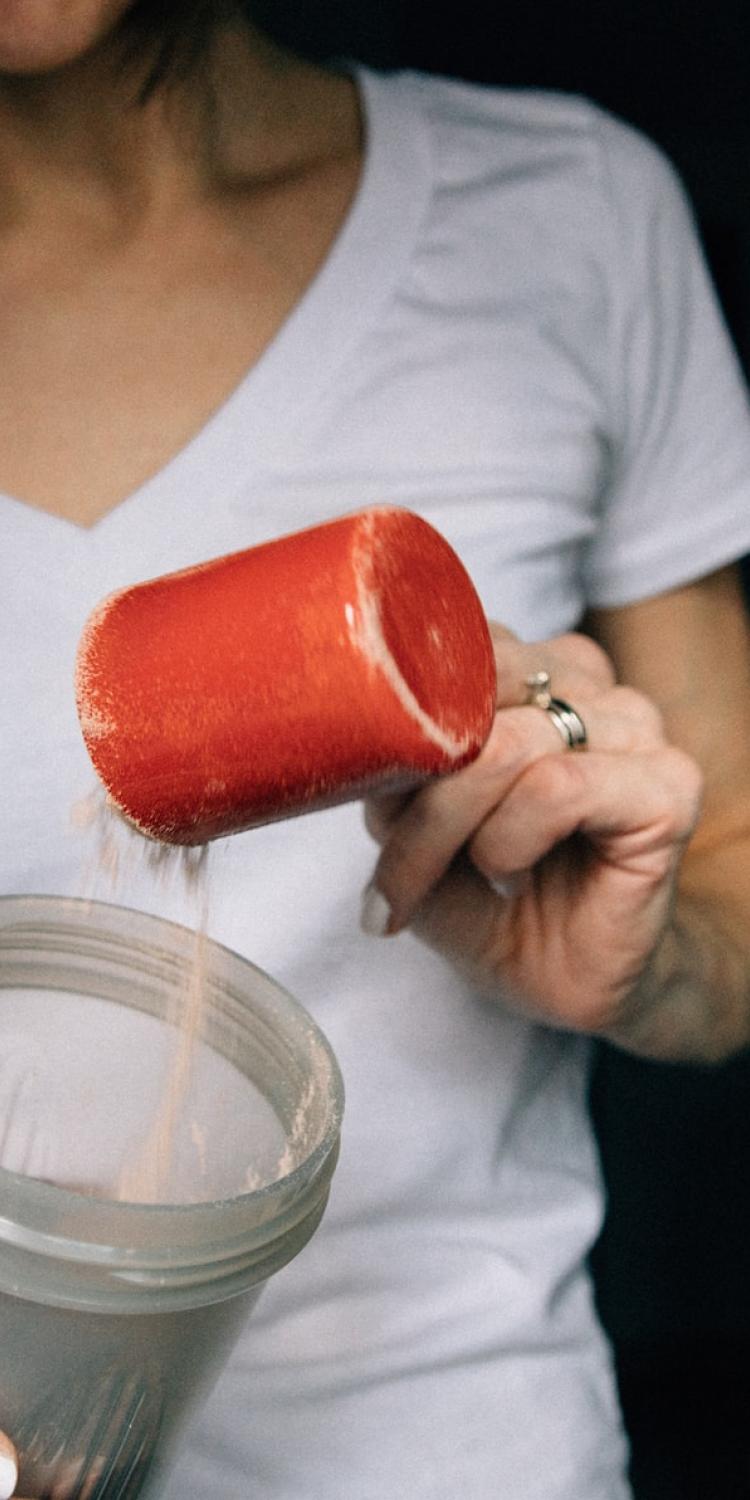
[[672, 1268]]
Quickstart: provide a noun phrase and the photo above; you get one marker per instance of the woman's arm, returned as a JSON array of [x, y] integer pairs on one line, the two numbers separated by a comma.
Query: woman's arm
[[562, 880], [689, 651]]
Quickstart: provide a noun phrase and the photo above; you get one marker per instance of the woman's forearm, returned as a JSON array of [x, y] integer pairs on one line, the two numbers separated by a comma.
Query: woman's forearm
[[692, 1001]]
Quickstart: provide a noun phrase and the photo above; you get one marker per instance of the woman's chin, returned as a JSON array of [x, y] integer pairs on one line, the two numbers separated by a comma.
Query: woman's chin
[[38, 37]]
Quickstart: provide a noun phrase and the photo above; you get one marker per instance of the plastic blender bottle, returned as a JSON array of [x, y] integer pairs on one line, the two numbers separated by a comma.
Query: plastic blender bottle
[[116, 1317]]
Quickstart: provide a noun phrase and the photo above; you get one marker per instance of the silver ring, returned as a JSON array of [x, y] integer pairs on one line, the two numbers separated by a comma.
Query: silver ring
[[567, 722]]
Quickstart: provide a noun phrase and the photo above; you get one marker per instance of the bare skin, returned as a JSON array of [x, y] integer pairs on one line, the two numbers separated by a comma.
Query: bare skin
[[149, 254], [626, 907], [155, 252]]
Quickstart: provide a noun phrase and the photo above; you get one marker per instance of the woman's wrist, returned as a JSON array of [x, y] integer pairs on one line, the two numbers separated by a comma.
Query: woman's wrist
[[691, 1003]]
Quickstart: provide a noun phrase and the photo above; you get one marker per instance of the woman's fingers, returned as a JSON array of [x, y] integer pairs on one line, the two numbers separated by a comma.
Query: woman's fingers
[[547, 875], [8, 1468], [422, 835], [582, 922], [637, 810], [576, 665]]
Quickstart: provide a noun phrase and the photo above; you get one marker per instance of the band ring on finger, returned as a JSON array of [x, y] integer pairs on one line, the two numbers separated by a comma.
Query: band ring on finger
[[567, 721]]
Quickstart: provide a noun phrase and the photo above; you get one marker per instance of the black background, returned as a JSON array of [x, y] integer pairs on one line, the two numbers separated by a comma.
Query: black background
[[672, 1268]]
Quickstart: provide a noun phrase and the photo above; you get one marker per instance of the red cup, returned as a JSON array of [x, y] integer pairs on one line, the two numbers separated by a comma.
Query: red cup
[[295, 675]]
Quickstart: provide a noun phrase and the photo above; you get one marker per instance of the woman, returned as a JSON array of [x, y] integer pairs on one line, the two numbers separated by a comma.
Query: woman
[[242, 294]]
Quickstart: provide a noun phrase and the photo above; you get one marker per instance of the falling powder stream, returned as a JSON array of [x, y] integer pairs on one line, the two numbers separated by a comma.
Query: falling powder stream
[[149, 1175], [146, 1177]]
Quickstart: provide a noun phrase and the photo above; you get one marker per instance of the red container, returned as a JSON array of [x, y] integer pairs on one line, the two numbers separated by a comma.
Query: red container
[[289, 677]]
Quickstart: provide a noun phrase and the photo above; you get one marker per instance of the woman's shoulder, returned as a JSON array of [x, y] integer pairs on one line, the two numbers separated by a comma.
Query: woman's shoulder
[[486, 127]]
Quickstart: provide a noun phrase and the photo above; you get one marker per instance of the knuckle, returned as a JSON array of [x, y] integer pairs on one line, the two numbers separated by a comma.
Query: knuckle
[[419, 843], [681, 782], [435, 812], [485, 854], [554, 779], [381, 809], [500, 634], [687, 775], [376, 822], [401, 867], [641, 711], [587, 656], [509, 742]]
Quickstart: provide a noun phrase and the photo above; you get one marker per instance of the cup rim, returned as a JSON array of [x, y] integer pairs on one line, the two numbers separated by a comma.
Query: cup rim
[[168, 1240]]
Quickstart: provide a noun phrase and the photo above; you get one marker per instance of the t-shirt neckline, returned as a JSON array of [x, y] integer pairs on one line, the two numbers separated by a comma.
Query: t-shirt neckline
[[267, 412]]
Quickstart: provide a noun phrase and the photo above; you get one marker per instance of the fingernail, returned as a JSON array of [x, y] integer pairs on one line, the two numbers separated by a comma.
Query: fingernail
[[375, 913], [8, 1470]]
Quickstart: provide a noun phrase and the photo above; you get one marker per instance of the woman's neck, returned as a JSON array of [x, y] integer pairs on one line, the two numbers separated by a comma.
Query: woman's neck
[[81, 136]]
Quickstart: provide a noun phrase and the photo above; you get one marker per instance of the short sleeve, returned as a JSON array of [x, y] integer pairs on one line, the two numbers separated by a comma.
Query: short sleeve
[[677, 502]]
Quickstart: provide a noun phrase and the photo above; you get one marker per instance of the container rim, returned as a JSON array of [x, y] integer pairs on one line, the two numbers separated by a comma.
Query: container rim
[[168, 1240]]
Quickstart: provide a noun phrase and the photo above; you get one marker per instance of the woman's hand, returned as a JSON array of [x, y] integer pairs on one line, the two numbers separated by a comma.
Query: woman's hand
[[547, 875]]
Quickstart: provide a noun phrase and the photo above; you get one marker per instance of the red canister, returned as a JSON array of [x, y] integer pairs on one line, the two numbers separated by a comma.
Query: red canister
[[288, 677]]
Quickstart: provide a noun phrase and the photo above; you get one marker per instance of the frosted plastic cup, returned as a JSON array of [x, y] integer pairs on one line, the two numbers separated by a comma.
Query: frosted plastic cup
[[117, 1316]]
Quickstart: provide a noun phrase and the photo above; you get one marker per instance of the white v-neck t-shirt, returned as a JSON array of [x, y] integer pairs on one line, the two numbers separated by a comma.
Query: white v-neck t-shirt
[[514, 336]]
